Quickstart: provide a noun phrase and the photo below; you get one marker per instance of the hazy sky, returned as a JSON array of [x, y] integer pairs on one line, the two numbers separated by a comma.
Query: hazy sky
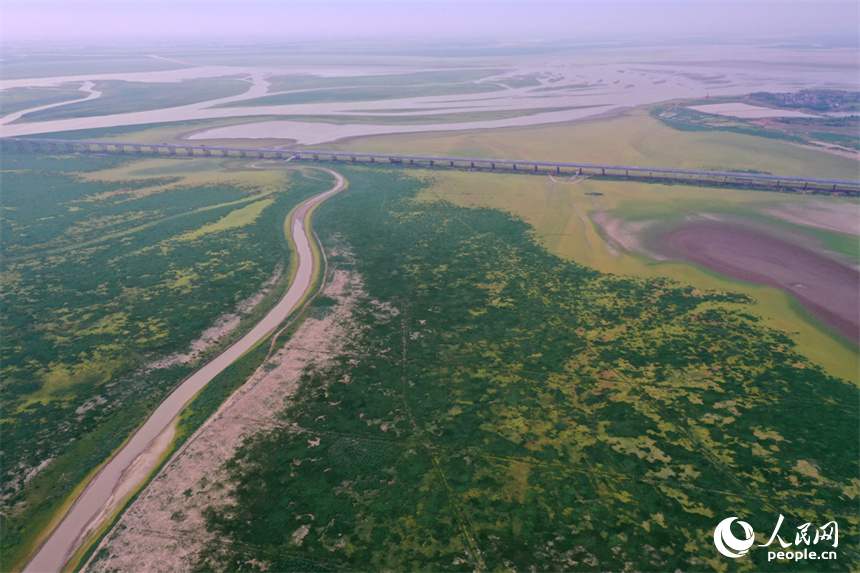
[[285, 20]]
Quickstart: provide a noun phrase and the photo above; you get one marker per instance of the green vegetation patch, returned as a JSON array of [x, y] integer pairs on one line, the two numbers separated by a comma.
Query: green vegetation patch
[[811, 131], [102, 293], [18, 99], [125, 97], [505, 409]]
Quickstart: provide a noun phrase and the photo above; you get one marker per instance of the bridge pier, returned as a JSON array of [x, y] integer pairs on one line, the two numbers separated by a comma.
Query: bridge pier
[[206, 153], [431, 163], [224, 153], [261, 155], [557, 169], [603, 171], [536, 168], [515, 167], [242, 154], [452, 164], [373, 160], [352, 159], [472, 164], [103, 148], [492, 166], [138, 149], [806, 186], [119, 148]]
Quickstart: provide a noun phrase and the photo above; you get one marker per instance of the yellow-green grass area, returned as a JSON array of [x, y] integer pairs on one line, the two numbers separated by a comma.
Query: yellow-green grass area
[[122, 295], [633, 138], [204, 401], [167, 175], [192, 171], [561, 215], [102, 364]]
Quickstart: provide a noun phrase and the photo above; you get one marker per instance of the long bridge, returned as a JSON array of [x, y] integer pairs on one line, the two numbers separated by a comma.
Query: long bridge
[[662, 174]]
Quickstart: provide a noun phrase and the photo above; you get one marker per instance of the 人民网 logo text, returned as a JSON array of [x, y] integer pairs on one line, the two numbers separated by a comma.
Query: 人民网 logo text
[[733, 546]]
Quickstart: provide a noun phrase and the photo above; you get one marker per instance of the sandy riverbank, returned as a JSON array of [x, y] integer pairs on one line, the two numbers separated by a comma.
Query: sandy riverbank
[[114, 483]]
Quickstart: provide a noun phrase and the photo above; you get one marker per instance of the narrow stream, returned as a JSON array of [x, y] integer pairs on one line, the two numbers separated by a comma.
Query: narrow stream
[[116, 481]]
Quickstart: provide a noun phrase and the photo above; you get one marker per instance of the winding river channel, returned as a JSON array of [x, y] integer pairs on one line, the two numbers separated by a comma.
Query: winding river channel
[[127, 470]]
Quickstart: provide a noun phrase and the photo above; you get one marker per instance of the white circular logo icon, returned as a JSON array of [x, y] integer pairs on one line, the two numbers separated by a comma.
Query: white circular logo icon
[[728, 544]]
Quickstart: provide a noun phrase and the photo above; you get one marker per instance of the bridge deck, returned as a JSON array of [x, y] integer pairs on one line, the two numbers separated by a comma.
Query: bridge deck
[[205, 151]]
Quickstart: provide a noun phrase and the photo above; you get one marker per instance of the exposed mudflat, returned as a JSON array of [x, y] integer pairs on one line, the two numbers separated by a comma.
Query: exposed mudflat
[[827, 288]]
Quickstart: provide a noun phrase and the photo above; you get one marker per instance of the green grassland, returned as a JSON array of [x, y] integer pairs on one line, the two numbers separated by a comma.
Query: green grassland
[[18, 99], [110, 263], [634, 138], [560, 212], [125, 97], [560, 215], [839, 131], [507, 409]]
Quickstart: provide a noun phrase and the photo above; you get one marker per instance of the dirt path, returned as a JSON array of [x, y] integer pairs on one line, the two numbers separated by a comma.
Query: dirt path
[[124, 473]]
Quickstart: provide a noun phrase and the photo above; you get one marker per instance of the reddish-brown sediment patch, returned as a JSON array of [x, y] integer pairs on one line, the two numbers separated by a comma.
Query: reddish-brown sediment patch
[[830, 290]]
